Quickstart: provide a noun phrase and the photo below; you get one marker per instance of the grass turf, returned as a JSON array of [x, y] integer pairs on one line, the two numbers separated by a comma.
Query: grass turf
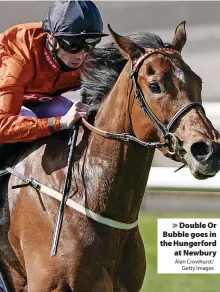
[[171, 283]]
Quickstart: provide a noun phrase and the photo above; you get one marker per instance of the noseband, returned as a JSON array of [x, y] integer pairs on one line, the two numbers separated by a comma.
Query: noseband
[[164, 129]]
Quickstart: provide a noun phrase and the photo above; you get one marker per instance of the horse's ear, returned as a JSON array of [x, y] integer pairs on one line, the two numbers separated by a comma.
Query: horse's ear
[[127, 47], [179, 39]]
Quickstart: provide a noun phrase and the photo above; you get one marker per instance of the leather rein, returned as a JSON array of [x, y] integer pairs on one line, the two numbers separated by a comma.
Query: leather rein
[[164, 129]]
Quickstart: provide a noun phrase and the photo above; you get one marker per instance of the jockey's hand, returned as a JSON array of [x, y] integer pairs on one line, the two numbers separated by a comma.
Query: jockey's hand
[[77, 111]]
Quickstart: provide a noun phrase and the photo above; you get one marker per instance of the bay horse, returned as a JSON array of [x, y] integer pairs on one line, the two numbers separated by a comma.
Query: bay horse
[[141, 87]]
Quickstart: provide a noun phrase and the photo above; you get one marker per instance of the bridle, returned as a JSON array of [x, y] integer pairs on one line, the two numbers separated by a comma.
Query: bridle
[[164, 129]]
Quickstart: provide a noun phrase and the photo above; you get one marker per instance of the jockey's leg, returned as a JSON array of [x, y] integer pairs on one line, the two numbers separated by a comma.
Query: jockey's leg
[[56, 107], [26, 112]]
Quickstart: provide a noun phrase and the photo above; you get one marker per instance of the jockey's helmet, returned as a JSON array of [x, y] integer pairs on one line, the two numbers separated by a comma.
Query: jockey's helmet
[[74, 24]]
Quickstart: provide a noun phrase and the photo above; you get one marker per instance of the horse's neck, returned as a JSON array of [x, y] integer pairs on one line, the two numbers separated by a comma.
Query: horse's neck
[[115, 172], [113, 113]]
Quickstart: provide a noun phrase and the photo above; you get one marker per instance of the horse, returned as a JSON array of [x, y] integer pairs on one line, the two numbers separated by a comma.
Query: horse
[[142, 96]]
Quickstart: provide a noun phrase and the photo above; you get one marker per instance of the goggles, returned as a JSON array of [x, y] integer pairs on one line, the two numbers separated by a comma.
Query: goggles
[[73, 46]]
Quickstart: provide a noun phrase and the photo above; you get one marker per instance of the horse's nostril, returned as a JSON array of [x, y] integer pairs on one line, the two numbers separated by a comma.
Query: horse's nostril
[[201, 151]]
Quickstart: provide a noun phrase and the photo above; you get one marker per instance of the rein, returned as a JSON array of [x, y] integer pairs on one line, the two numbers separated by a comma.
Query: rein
[[125, 137]]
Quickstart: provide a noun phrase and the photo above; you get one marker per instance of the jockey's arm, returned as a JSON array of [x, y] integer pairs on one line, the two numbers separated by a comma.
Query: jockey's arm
[[14, 78]]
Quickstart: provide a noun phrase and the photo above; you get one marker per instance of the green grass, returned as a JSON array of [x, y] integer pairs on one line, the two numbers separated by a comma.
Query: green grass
[[171, 283]]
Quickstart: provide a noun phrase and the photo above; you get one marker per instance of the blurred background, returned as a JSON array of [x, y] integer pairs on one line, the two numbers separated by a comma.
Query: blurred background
[[201, 52]]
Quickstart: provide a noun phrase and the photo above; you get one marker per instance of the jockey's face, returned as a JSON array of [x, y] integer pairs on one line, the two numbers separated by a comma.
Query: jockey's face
[[71, 60]]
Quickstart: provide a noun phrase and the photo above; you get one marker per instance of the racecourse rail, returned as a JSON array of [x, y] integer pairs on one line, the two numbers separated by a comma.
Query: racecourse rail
[[164, 178]]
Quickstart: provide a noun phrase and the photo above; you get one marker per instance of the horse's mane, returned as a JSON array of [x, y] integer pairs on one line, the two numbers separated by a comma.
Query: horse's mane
[[103, 67]]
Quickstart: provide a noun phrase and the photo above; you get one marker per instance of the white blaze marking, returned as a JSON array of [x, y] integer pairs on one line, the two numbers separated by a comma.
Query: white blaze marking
[[180, 75]]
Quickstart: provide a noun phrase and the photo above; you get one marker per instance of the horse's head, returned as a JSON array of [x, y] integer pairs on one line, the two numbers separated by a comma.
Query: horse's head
[[168, 106]]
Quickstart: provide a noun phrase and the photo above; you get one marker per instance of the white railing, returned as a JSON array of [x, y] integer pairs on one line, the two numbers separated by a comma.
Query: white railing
[[164, 178], [213, 112]]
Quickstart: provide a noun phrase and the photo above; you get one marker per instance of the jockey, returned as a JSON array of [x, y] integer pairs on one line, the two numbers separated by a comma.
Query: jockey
[[40, 62]]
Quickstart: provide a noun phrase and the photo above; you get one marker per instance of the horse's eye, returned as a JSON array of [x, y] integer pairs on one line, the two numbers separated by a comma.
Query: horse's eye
[[155, 87]]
